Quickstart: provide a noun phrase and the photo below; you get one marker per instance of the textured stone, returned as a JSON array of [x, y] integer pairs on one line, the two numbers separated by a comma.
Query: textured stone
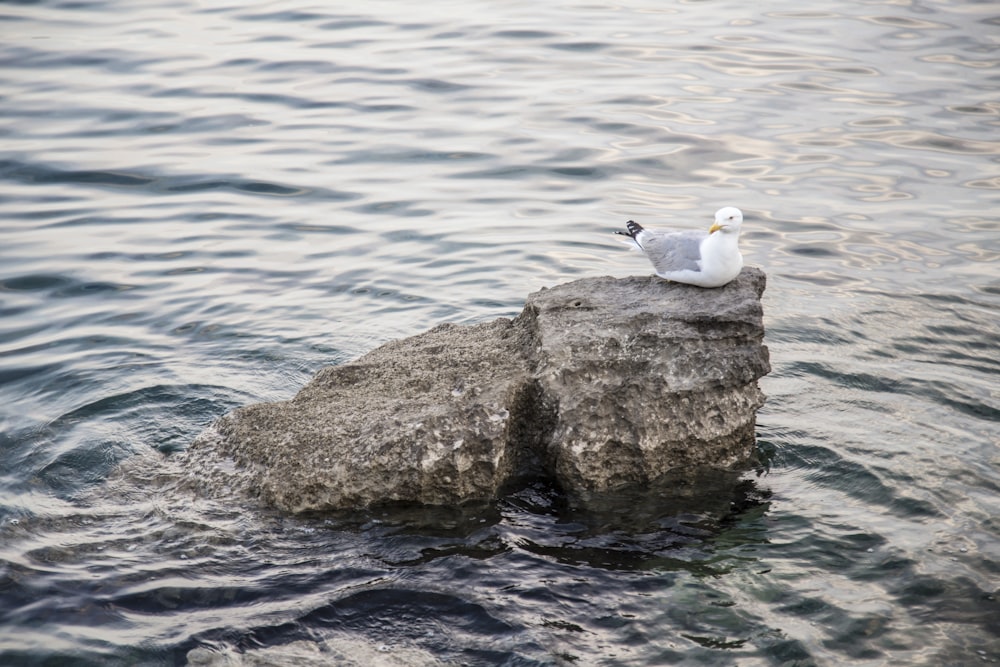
[[432, 419], [647, 376], [601, 383]]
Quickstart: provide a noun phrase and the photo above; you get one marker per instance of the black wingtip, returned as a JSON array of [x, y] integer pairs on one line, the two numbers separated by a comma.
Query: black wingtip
[[633, 228]]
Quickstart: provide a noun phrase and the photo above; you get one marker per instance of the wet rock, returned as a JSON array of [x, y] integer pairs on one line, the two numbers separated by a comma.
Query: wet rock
[[646, 376], [436, 418], [600, 383]]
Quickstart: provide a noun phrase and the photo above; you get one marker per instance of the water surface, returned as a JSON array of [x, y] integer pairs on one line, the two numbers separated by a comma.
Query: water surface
[[202, 204]]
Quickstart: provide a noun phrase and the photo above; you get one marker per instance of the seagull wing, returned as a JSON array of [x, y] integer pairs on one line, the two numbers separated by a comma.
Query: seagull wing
[[673, 251]]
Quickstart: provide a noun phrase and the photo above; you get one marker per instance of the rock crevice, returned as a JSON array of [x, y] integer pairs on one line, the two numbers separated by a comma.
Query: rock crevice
[[598, 384]]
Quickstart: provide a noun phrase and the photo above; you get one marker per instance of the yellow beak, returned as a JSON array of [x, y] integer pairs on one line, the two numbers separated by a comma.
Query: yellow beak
[[714, 228]]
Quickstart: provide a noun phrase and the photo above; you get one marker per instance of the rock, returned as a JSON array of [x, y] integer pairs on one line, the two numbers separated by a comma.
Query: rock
[[435, 418], [647, 376], [600, 383]]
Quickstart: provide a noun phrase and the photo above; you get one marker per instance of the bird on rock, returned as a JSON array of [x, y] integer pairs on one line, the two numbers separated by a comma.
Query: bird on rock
[[693, 257]]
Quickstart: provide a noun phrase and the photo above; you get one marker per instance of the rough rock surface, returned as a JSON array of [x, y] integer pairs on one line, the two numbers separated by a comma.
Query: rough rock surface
[[647, 376], [600, 383], [429, 419]]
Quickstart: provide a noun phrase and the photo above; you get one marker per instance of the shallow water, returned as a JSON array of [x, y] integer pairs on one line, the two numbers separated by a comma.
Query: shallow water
[[201, 204]]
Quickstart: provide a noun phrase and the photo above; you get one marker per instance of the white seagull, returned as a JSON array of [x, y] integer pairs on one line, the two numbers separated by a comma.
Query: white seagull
[[694, 257]]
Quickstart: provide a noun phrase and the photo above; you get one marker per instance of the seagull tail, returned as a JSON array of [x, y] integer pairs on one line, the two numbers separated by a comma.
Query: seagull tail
[[634, 229]]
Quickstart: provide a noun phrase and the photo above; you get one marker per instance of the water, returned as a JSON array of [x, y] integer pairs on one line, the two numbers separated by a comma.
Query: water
[[201, 204]]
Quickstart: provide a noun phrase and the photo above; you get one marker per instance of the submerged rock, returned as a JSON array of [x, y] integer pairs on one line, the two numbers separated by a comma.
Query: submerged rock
[[343, 652], [599, 384]]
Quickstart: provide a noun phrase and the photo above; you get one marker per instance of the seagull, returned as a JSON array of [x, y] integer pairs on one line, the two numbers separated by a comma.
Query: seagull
[[694, 257]]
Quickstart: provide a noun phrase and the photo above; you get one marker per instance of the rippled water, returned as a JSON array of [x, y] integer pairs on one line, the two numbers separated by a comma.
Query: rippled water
[[201, 204]]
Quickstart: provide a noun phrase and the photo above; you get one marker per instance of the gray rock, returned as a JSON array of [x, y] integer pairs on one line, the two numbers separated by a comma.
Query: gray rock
[[434, 419], [647, 376], [601, 383]]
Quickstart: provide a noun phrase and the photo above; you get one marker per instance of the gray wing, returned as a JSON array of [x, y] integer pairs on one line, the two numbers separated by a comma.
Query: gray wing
[[673, 251]]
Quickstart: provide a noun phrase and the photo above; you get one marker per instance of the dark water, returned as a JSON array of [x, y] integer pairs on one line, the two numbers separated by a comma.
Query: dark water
[[201, 204]]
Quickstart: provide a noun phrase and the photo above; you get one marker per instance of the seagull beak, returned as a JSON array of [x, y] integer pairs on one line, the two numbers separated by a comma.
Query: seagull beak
[[714, 228]]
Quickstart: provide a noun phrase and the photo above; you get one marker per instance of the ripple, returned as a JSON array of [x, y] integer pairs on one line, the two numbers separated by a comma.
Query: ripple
[[984, 183], [204, 205], [524, 34], [32, 174], [32, 283], [906, 22], [932, 141], [47, 175]]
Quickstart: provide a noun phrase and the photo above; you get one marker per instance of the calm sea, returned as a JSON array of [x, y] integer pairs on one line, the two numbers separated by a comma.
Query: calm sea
[[203, 203]]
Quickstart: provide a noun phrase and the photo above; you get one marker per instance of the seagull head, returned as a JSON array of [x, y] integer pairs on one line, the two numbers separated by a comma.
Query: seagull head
[[727, 220]]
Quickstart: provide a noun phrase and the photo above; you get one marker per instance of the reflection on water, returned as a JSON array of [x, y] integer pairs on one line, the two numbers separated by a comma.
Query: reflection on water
[[203, 204]]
